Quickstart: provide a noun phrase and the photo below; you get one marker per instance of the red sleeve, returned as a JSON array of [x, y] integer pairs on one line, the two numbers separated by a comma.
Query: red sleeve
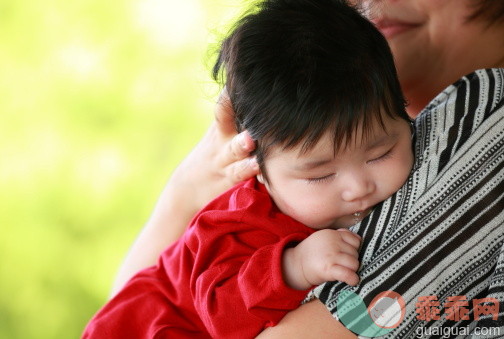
[[151, 305], [228, 265], [237, 283], [138, 311], [239, 298]]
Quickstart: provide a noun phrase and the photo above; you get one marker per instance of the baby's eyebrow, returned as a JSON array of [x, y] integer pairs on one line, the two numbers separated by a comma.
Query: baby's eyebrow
[[309, 165], [380, 141]]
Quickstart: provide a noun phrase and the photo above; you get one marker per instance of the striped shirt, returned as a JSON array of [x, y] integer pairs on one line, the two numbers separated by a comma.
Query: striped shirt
[[442, 234]]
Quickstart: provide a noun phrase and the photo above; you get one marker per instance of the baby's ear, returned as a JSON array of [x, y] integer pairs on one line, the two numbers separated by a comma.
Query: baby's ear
[[260, 178]]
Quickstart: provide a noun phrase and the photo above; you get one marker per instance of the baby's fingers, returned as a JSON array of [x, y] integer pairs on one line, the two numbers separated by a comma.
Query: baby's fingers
[[347, 260], [342, 268], [345, 248], [350, 237], [344, 274]]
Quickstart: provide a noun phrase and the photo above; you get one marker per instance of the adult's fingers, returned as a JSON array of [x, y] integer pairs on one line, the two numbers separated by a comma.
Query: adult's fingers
[[237, 149], [224, 115], [242, 170]]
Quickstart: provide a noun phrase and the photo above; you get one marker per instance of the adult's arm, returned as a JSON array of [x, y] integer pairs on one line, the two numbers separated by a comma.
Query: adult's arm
[[218, 161], [310, 320]]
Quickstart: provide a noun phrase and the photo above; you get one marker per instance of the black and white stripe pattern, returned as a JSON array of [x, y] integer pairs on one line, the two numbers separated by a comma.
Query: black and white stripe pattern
[[442, 234]]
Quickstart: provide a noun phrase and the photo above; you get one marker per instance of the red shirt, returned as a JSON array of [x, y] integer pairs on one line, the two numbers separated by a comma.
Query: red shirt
[[222, 279]]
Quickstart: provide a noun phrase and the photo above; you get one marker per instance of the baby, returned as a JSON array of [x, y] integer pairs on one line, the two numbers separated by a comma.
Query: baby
[[314, 84]]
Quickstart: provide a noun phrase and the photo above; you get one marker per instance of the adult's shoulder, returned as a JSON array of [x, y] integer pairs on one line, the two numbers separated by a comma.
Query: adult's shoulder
[[456, 115], [481, 91]]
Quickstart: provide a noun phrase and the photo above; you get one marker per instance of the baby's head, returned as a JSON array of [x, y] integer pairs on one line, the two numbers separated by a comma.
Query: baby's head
[[315, 85]]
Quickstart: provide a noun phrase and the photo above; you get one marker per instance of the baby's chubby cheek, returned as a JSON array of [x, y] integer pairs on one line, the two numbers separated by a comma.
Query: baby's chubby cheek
[[313, 216], [302, 211]]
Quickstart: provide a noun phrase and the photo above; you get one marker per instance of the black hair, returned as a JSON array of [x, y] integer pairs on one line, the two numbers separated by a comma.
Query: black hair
[[295, 69]]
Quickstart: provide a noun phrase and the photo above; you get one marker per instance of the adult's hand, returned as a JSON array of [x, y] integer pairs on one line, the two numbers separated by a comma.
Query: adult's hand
[[220, 160]]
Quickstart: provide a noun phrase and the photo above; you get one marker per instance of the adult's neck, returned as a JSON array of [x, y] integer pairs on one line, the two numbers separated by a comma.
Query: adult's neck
[[419, 96], [484, 50], [417, 102]]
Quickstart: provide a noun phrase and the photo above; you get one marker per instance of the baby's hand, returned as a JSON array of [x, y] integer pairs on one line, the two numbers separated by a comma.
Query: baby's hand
[[326, 255]]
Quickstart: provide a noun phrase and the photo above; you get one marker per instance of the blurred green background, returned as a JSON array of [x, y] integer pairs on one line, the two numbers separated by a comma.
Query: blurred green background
[[100, 100]]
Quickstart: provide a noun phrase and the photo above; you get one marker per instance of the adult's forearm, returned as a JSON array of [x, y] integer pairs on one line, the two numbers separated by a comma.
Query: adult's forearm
[[166, 224], [311, 320], [220, 160]]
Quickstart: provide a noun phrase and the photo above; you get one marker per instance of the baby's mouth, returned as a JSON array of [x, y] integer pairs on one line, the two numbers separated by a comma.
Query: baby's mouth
[[359, 215]]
